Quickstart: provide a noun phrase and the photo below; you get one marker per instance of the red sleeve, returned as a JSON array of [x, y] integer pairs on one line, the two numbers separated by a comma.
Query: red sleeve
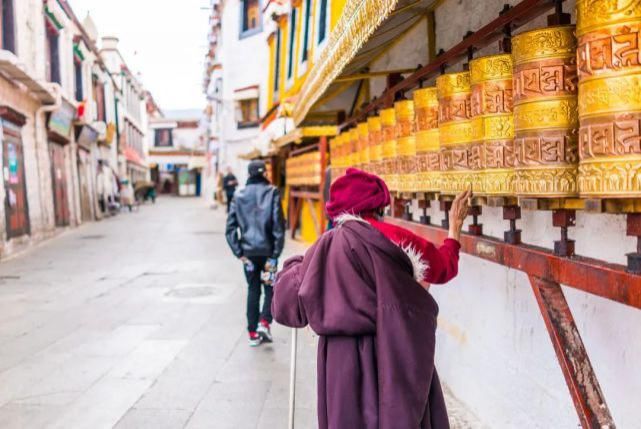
[[442, 261]]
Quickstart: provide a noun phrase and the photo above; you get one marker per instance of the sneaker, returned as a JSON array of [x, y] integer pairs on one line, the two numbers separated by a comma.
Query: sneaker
[[264, 331], [254, 339]]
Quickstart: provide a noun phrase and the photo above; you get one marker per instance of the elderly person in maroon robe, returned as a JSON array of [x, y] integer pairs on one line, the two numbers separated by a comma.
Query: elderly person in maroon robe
[[362, 288]]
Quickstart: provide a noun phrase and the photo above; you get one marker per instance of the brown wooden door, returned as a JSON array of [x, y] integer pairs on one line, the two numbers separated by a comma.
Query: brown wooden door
[[83, 183], [16, 206], [59, 181]]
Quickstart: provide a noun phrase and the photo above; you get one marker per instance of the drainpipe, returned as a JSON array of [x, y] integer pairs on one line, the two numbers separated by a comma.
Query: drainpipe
[[39, 123]]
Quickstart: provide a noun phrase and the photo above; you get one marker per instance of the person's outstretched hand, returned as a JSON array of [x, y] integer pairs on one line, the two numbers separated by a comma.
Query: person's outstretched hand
[[458, 213]]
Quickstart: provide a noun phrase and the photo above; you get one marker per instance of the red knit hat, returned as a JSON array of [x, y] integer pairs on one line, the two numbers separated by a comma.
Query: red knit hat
[[357, 192]]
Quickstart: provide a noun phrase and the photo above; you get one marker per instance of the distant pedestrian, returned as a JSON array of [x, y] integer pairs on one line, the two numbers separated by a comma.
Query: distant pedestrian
[[230, 183], [256, 234], [126, 194], [361, 288]]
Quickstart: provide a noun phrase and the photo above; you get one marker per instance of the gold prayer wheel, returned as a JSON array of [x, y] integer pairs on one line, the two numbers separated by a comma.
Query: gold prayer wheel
[[375, 145], [491, 79], [354, 148], [363, 145], [390, 149], [406, 144], [458, 133], [345, 151], [428, 156], [545, 112], [609, 68]]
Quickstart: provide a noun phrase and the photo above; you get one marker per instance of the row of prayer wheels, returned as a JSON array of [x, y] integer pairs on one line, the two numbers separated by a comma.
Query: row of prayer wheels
[[559, 117]]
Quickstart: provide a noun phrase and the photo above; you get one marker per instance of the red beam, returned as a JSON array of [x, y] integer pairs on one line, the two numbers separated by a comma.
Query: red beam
[[610, 281], [575, 364]]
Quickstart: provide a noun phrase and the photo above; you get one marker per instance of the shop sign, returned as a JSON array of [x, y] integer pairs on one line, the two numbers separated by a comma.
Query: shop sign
[[87, 135], [60, 121]]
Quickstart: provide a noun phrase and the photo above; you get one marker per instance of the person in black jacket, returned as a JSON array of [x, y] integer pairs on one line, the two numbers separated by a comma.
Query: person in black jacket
[[230, 183], [256, 234]]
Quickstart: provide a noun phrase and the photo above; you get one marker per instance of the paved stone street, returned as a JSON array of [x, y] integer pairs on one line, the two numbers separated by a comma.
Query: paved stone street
[[138, 322]]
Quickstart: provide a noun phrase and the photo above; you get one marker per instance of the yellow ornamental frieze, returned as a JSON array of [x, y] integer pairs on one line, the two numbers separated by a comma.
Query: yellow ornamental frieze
[[547, 182], [498, 127], [499, 181], [614, 177], [610, 95], [592, 14], [427, 140], [491, 67], [455, 133], [546, 114], [549, 42], [452, 83]]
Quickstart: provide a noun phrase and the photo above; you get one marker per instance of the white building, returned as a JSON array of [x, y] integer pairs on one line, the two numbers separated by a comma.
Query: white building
[[234, 81], [177, 152]]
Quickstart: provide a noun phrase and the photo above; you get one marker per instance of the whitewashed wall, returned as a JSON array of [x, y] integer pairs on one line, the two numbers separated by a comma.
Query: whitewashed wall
[[493, 350]]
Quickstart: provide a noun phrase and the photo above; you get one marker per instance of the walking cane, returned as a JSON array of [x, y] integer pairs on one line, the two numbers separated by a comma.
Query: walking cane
[[292, 379]]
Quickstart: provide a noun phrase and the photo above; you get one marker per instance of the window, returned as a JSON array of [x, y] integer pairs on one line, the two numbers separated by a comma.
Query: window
[[163, 137], [292, 44], [250, 17], [7, 29], [53, 54], [305, 45], [98, 91], [277, 64], [323, 21], [77, 71], [247, 113]]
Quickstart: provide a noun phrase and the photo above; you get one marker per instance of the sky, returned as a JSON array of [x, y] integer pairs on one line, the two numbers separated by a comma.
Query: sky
[[163, 40]]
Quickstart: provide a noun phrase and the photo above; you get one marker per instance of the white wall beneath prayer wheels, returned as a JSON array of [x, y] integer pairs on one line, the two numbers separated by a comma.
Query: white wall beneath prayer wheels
[[493, 350]]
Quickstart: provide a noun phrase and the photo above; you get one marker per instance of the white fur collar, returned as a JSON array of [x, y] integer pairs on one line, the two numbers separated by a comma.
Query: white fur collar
[[419, 266]]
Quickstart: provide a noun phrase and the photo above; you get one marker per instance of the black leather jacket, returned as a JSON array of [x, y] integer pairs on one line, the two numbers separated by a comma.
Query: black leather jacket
[[255, 224]]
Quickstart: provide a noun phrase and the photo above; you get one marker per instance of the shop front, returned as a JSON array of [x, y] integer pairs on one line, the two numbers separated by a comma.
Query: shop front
[[59, 133], [86, 137], [15, 204]]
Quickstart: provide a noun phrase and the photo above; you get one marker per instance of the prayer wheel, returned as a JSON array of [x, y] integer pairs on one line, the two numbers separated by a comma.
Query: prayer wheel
[[344, 150], [491, 79], [459, 135], [354, 148], [363, 145], [428, 157], [390, 150], [406, 144], [545, 112], [375, 145], [609, 68]]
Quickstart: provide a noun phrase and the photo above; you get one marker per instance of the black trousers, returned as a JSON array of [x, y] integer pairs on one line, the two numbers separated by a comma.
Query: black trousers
[[255, 285], [229, 198]]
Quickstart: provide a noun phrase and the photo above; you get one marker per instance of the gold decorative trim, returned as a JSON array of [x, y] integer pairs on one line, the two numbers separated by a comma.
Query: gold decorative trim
[[549, 42], [358, 21], [592, 14]]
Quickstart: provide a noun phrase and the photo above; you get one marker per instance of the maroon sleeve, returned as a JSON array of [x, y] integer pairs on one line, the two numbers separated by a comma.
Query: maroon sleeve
[[442, 261], [286, 306]]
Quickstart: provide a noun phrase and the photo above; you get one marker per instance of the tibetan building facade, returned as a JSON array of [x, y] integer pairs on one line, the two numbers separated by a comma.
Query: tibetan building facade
[[535, 106]]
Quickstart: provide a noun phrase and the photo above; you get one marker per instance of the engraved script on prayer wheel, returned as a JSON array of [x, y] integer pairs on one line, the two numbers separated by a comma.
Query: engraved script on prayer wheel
[[375, 144], [609, 67], [545, 112], [390, 150], [457, 132], [428, 156], [406, 144], [363, 145], [491, 79]]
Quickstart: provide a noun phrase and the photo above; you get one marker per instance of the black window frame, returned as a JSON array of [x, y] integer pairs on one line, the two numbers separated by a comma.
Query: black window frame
[[322, 21], [78, 79], [7, 26], [52, 35], [245, 31], [157, 134], [306, 30], [277, 62], [291, 49]]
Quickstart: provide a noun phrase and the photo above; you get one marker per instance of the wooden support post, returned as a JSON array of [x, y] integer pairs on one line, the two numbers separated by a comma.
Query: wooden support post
[[445, 207], [579, 375], [323, 164], [424, 204], [475, 228], [634, 230], [513, 235], [564, 219]]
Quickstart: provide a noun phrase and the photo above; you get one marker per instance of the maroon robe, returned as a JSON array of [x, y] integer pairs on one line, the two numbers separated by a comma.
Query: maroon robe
[[356, 290]]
